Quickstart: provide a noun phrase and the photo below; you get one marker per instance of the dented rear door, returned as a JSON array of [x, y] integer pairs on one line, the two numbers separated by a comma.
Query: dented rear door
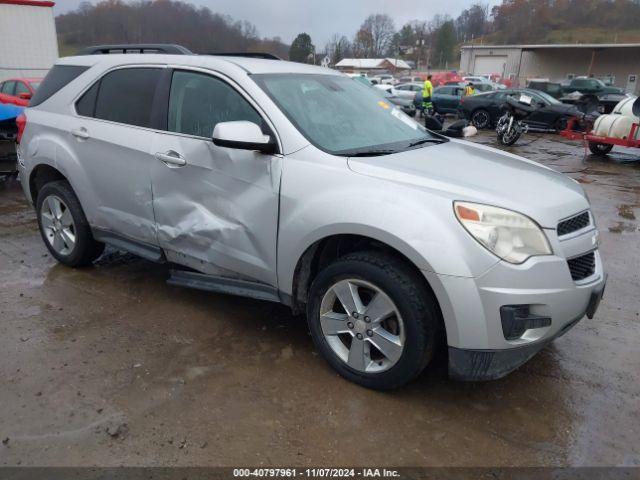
[[216, 209]]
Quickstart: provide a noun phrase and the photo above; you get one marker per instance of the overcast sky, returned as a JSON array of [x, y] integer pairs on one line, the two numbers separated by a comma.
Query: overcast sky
[[319, 18]]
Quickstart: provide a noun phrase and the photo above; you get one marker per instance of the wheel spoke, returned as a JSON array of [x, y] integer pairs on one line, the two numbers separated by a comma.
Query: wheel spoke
[[334, 323], [68, 237], [55, 207], [356, 359], [379, 308], [349, 297], [388, 344], [58, 242], [66, 219], [47, 220]]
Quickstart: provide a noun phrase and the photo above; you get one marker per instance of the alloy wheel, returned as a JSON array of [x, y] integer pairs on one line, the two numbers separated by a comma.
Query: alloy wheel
[[362, 325], [57, 224]]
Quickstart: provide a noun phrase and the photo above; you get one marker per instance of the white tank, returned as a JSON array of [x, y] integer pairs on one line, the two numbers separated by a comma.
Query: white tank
[[615, 125], [625, 107]]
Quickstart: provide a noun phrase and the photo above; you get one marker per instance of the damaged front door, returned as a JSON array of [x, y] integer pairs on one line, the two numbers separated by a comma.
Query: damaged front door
[[216, 209]]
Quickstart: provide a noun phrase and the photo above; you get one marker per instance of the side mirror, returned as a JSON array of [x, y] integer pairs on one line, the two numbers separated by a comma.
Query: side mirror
[[243, 135], [24, 96]]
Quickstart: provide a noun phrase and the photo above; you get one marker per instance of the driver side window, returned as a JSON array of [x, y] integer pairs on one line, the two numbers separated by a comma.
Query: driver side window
[[198, 102]]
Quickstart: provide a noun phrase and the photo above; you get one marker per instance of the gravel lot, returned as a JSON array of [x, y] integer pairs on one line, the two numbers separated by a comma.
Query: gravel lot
[[111, 366]]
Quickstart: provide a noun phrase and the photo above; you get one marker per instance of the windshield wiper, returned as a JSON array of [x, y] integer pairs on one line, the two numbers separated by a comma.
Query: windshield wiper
[[426, 140], [371, 153]]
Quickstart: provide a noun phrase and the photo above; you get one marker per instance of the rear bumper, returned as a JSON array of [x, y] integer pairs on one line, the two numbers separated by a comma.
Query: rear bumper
[[479, 365]]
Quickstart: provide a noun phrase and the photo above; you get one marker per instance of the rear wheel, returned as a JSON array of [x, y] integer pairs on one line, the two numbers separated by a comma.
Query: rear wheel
[[63, 226], [600, 149], [481, 119], [561, 124], [373, 319]]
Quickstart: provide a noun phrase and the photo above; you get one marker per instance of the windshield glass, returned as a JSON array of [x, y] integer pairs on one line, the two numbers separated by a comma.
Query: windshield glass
[[34, 85], [547, 97], [342, 116]]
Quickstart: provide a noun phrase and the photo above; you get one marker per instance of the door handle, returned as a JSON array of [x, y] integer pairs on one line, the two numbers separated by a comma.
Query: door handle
[[81, 133], [171, 159]]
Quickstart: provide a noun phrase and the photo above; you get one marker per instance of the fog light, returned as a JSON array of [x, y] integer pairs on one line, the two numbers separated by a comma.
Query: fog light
[[517, 319]]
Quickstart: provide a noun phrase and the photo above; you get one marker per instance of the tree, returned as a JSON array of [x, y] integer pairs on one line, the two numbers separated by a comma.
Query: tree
[[338, 48], [445, 41], [301, 48], [376, 35]]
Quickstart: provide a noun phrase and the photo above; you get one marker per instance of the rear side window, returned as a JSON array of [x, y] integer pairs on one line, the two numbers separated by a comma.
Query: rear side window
[[21, 88], [125, 96], [58, 77]]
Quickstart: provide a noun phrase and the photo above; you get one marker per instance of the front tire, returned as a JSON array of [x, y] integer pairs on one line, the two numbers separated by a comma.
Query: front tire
[[64, 227], [373, 318]]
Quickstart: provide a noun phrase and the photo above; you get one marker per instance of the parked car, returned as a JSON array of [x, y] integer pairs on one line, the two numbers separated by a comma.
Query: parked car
[[407, 90], [296, 184], [585, 102], [483, 84], [483, 110], [411, 79], [384, 79], [389, 93], [590, 86], [446, 99], [550, 88], [18, 91]]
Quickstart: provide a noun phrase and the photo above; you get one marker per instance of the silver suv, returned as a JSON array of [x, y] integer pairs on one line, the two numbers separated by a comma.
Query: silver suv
[[296, 184]]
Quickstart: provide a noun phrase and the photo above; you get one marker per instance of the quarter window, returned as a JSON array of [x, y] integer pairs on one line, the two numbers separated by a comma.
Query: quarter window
[[125, 96], [7, 87], [198, 102]]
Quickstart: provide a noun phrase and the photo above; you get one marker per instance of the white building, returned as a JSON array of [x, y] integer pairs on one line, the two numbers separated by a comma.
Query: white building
[[28, 42]]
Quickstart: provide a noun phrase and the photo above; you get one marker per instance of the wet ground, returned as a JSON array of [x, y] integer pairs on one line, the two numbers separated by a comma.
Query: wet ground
[[111, 366]]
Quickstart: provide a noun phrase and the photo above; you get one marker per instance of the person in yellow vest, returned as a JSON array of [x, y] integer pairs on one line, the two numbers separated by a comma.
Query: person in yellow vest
[[469, 90], [427, 91]]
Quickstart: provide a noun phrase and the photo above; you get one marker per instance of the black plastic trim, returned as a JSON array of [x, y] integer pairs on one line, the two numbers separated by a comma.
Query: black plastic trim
[[231, 286], [517, 319], [149, 252]]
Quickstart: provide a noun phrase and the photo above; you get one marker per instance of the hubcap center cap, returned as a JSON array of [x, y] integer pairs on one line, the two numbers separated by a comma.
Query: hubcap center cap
[[359, 326]]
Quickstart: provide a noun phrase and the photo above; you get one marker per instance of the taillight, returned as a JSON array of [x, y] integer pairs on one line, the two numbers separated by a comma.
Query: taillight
[[21, 122]]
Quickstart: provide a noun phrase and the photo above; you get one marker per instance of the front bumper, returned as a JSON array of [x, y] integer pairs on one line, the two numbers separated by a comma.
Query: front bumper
[[481, 347], [479, 365]]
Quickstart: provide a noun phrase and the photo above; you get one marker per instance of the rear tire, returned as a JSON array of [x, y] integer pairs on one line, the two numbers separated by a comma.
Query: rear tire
[[412, 329], [600, 149], [64, 227], [481, 119]]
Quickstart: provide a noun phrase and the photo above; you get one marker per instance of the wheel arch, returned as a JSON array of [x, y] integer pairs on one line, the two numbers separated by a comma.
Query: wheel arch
[[40, 175], [330, 247]]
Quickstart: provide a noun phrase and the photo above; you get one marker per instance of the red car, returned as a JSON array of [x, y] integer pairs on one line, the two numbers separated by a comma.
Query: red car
[[18, 91]]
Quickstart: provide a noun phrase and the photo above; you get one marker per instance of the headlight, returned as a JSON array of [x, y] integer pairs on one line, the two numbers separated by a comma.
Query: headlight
[[507, 234]]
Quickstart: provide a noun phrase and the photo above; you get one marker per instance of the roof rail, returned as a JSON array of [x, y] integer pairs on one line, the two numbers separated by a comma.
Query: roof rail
[[136, 48], [264, 55]]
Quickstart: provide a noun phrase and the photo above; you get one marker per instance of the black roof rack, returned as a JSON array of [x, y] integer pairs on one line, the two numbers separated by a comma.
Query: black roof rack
[[264, 55], [136, 48]]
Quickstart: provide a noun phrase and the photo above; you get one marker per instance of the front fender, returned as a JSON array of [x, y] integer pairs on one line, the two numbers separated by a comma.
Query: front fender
[[417, 223]]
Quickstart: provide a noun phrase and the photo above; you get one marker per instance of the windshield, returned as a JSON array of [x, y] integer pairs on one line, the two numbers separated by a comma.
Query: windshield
[[547, 97], [34, 85], [342, 116]]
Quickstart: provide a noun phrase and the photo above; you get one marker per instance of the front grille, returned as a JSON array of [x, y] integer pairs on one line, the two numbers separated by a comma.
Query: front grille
[[573, 224], [582, 267]]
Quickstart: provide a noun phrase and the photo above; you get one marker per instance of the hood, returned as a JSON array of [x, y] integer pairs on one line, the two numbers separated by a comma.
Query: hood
[[461, 170]]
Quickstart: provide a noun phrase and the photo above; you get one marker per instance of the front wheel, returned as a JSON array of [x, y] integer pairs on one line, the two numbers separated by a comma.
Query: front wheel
[[64, 227], [373, 319]]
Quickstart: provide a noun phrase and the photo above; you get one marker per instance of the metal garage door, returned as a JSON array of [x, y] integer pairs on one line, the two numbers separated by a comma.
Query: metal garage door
[[485, 65]]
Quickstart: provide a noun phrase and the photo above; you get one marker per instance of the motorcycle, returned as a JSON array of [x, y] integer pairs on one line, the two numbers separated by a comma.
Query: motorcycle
[[511, 126]]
